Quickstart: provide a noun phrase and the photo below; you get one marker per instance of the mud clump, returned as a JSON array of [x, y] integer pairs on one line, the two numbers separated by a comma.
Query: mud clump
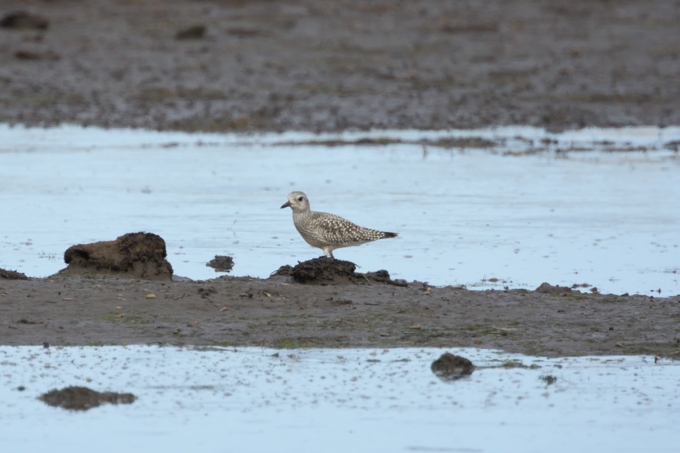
[[451, 367], [83, 398], [22, 20], [31, 55], [193, 32], [221, 263], [139, 255], [329, 271], [547, 288], [324, 270], [12, 275]]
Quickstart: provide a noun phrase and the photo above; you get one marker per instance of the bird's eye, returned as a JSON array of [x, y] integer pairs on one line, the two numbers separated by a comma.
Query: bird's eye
[[300, 199]]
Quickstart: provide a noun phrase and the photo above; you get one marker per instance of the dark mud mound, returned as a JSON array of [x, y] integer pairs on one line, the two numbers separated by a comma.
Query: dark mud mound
[[193, 32], [139, 255], [12, 275], [329, 271], [83, 398], [324, 270], [22, 20], [221, 263], [547, 288], [451, 367]]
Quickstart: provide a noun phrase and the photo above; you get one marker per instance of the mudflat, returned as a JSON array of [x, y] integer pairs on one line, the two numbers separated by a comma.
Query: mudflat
[[265, 65], [278, 312]]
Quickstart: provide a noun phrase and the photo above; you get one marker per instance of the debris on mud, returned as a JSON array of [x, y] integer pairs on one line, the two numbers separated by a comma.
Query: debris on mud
[[460, 142], [139, 255], [221, 263], [672, 355], [446, 143], [451, 367], [548, 379], [12, 275], [22, 20], [83, 398], [329, 271]]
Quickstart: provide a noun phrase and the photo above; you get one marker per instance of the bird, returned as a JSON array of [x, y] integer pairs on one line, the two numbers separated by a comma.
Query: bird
[[328, 231]]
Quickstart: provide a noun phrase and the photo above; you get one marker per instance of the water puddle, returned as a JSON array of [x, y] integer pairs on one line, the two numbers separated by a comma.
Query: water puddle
[[336, 400], [595, 207]]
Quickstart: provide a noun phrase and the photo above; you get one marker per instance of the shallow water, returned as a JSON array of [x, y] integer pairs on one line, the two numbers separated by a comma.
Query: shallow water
[[336, 400], [568, 211]]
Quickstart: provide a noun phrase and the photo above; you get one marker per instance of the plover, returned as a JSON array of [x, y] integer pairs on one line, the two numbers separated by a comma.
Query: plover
[[328, 231]]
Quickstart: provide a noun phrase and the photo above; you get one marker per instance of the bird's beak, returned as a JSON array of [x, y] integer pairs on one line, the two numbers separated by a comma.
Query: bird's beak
[[286, 205]]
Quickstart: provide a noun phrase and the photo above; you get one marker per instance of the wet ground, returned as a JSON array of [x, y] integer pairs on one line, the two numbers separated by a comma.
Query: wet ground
[[304, 65]]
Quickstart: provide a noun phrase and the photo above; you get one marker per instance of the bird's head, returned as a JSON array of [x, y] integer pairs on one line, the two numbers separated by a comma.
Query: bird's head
[[297, 201]]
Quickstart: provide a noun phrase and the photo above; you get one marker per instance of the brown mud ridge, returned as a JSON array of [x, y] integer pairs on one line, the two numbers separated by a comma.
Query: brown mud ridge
[[83, 398], [12, 275], [262, 65], [122, 292]]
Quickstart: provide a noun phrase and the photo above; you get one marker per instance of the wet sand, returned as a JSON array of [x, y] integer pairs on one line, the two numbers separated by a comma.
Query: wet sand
[[239, 65], [277, 312]]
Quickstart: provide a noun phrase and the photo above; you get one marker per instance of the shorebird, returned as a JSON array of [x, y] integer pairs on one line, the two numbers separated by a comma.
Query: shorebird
[[328, 231]]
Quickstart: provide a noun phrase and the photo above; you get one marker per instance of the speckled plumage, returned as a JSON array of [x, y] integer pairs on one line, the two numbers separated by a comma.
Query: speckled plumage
[[328, 231]]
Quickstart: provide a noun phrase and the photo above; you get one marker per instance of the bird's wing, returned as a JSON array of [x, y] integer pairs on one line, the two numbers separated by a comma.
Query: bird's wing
[[336, 230]]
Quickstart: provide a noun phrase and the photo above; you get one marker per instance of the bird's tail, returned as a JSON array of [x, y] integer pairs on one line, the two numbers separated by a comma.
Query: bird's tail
[[389, 235]]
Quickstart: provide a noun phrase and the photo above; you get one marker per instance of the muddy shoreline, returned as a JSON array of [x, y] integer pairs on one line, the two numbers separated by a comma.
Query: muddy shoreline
[[264, 65], [277, 312]]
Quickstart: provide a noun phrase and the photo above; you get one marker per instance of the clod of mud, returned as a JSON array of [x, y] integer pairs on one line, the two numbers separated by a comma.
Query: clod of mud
[[139, 255], [451, 367], [24, 20], [193, 32], [221, 263], [12, 275], [547, 288], [83, 398], [329, 271], [32, 55], [206, 292]]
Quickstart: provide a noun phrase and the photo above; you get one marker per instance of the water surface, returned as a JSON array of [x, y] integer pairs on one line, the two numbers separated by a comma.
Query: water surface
[[563, 208], [336, 400]]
